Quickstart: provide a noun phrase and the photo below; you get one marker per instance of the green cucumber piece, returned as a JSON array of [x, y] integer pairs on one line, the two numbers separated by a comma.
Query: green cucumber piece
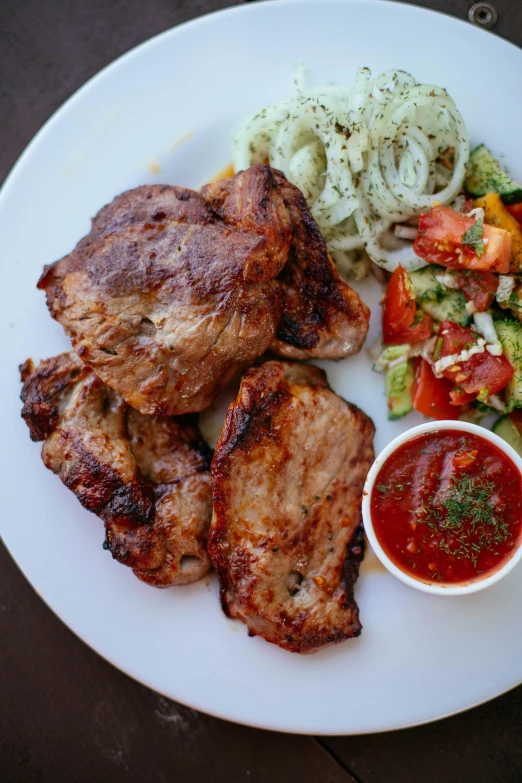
[[510, 336], [399, 380], [506, 430], [389, 354], [439, 301], [485, 175]]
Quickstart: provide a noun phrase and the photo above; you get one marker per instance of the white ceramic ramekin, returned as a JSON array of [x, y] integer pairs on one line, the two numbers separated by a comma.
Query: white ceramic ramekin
[[479, 583]]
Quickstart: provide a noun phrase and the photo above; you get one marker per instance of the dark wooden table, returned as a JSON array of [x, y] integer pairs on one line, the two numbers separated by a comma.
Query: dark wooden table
[[67, 715]]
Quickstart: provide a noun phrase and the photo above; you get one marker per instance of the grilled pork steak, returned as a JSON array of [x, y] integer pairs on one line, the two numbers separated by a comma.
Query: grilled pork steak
[[147, 478], [322, 317], [165, 300], [173, 293], [286, 537]]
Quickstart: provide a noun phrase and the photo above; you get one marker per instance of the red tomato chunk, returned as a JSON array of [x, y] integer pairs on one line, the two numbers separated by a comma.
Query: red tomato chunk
[[478, 287], [431, 396], [516, 211], [480, 372], [440, 241], [399, 311]]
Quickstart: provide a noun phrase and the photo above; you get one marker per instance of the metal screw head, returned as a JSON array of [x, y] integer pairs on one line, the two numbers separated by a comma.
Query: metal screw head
[[483, 15]]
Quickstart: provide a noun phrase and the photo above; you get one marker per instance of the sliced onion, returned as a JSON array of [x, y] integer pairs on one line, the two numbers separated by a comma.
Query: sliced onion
[[506, 284], [484, 324], [364, 156], [405, 232]]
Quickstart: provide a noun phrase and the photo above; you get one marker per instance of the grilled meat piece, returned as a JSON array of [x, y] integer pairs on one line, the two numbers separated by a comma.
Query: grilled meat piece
[[165, 300], [173, 292], [147, 478], [323, 317], [286, 538]]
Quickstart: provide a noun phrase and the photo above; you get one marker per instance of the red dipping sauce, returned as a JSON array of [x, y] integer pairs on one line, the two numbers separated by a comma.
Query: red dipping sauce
[[447, 507]]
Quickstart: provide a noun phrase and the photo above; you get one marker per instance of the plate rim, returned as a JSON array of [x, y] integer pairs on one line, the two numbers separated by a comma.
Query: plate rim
[[242, 8], [252, 724]]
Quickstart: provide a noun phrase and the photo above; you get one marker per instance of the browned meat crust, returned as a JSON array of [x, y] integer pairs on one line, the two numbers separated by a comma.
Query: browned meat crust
[[286, 536], [165, 300], [147, 478], [173, 293], [322, 316]]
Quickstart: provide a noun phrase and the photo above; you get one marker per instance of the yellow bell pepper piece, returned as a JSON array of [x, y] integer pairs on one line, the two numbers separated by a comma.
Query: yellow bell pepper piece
[[497, 215]]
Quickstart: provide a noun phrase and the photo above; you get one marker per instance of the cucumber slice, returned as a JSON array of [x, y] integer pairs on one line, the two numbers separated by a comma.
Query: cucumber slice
[[510, 335], [484, 175], [399, 380], [439, 301], [390, 354], [505, 429]]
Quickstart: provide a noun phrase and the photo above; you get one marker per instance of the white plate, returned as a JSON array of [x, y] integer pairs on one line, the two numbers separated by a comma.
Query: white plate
[[419, 656]]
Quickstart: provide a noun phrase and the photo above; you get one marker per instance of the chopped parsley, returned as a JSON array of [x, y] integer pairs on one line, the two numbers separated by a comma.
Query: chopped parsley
[[473, 238]]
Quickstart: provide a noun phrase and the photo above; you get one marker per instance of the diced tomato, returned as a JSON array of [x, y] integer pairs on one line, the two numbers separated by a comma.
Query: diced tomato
[[478, 287], [464, 459], [398, 310], [455, 338], [431, 395], [399, 324], [516, 211], [481, 371], [439, 241], [459, 397], [419, 331], [484, 371]]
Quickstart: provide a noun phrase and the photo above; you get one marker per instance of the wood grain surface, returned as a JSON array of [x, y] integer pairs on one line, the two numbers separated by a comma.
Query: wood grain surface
[[66, 714]]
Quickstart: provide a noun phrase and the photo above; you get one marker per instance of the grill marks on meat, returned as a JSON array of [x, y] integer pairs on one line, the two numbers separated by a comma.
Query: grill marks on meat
[[286, 536], [148, 479], [173, 293], [322, 316], [165, 299], [258, 209], [173, 458]]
